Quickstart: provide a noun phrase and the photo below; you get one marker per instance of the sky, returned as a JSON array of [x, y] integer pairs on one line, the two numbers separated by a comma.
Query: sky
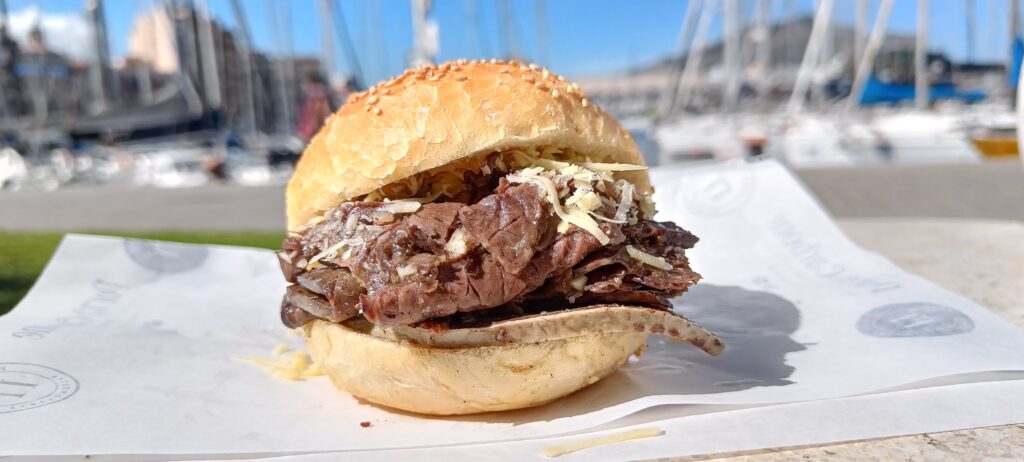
[[585, 37]]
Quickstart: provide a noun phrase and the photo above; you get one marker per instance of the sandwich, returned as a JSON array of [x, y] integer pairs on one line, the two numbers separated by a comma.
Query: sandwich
[[478, 236]]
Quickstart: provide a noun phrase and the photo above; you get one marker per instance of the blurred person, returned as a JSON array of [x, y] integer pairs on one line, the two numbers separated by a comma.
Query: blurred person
[[315, 107]]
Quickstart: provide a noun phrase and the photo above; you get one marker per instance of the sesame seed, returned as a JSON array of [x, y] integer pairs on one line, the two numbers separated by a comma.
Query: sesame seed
[[494, 61], [529, 78], [386, 91], [373, 99], [561, 79], [545, 73], [554, 93], [377, 111], [461, 78], [585, 102], [533, 67]]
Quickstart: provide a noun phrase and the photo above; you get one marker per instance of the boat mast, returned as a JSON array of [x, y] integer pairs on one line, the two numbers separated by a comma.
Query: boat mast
[[858, 32], [422, 52], [811, 58], [6, 74], [208, 57], [696, 55], [183, 75], [476, 37], [683, 49], [507, 26], [327, 39], [921, 89], [764, 47], [731, 20], [870, 51], [542, 32], [1014, 67], [341, 30], [249, 97], [289, 70], [284, 116], [104, 92], [969, 6]]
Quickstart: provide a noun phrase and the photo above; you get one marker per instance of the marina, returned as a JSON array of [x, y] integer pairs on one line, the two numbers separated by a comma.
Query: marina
[[196, 103]]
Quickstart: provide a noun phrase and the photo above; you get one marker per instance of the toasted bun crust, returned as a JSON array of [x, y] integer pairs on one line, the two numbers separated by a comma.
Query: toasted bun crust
[[431, 116], [448, 381]]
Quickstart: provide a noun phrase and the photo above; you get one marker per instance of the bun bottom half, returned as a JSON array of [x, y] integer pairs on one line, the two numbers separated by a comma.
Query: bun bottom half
[[464, 380]]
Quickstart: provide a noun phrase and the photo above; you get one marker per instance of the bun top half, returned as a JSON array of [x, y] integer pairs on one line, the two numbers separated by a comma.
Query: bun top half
[[431, 116]]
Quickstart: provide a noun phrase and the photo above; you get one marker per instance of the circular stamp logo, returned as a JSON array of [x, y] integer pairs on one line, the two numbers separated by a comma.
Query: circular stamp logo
[[26, 386], [164, 257], [717, 193], [917, 319]]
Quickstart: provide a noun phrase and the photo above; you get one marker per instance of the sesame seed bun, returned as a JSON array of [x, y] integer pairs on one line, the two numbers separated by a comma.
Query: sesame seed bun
[[512, 364], [465, 380], [434, 115]]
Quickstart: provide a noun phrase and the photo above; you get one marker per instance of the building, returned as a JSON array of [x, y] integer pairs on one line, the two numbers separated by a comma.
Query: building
[[245, 90]]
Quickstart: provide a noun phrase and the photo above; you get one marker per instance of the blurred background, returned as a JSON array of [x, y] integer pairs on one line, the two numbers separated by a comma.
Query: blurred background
[[186, 116]]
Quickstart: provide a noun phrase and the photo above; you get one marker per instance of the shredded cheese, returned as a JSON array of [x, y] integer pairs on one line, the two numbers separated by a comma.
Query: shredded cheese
[[294, 367], [562, 449], [613, 167], [329, 252], [456, 245], [405, 271], [648, 259], [351, 222], [625, 189], [402, 206], [576, 216], [609, 220]]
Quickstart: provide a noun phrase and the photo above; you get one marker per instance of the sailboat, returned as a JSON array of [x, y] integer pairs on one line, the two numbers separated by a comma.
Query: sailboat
[[994, 129]]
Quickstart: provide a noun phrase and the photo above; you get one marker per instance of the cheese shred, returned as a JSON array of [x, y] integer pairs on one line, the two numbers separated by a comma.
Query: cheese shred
[[648, 259], [575, 215], [563, 449], [295, 367]]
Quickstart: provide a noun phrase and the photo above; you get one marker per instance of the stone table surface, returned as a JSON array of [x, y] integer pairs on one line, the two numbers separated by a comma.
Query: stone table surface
[[981, 259]]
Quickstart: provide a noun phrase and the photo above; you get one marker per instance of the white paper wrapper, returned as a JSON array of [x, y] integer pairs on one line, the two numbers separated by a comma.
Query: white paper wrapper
[[131, 347], [787, 425]]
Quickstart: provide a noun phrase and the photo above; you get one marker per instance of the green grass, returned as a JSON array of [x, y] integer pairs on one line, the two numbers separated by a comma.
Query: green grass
[[23, 255]]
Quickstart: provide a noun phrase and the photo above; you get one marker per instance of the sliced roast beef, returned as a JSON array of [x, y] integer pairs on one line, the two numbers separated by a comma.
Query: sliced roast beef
[[293, 316], [338, 286], [660, 234], [454, 259], [475, 282], [509, 225], [318, 305]]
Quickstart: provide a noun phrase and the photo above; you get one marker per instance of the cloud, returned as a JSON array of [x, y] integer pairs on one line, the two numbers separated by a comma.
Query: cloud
[[67, 33]]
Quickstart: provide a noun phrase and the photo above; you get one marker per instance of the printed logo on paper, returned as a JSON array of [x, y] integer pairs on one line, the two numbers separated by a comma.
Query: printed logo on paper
[[918, 319], [718, 193], [165, 257], [26, 386]]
